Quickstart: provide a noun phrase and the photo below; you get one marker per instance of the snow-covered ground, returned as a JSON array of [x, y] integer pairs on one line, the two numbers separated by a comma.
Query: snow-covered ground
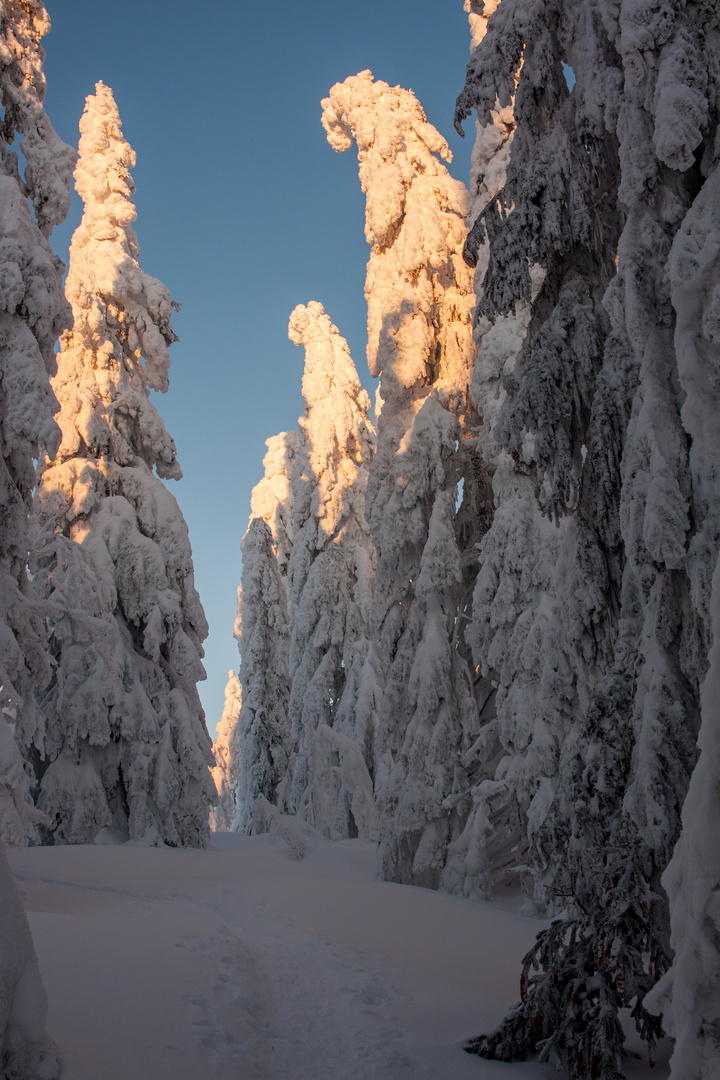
[[241, 962]]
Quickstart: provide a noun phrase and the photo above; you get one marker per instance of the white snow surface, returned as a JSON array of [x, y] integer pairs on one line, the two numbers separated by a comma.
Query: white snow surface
[[242, 961]]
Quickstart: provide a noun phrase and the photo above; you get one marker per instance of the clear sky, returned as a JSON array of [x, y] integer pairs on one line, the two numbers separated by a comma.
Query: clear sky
[[244, 211]]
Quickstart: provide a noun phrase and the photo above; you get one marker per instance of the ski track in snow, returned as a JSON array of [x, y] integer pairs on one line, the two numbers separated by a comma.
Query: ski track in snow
[[241, 963]]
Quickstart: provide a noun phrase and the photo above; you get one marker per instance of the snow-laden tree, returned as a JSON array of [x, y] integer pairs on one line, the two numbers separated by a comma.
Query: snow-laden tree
[[598, 183], [333, 664], [262, 744], [260, 747], [419, 295], [418, 289], [224, 770], [429, 714], [33, 311], [534, 388], [126, 747], [518, 557], [689, 994], [26, 1053]]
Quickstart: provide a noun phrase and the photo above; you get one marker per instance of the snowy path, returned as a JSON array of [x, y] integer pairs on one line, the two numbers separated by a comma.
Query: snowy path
[[241, 963]]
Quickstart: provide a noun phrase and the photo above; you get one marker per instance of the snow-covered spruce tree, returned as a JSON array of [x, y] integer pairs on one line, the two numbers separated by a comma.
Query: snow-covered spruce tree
[[688, 995], [223, 748], [33, 311], [26, 1053], [517, 561], [262, 744], [333, 663], [592, 410], [126, 748], [419, 296], [262, 738], [542, 610], [428, 692]]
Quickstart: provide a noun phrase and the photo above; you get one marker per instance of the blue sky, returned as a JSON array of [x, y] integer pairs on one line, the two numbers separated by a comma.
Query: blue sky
[[244, 211]]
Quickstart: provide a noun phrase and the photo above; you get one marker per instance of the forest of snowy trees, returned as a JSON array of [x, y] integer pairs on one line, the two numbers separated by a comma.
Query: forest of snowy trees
[[479, 618]]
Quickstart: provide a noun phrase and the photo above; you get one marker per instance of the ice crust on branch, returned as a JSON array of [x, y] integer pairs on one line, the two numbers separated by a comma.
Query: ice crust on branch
[[126, 749]]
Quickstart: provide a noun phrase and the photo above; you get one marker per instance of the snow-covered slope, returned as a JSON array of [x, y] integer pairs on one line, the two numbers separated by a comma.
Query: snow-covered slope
[[242, 961]]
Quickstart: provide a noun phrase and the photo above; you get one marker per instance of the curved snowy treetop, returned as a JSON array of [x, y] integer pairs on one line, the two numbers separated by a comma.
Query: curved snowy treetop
[[331, 376], [271, 499], [414, 221], [339, 437], [49, 160], [122, 326], [395, 145]]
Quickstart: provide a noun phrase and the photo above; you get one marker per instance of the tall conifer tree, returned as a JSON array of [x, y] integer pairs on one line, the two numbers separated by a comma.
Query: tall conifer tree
[[126, 746], [33, 311], [261, 743], [226, 756], [688, 994], [599, 182], [419, 295], [330, 577]]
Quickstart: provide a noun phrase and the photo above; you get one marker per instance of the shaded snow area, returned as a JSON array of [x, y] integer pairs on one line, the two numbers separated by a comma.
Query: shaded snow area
[[242, 961]]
